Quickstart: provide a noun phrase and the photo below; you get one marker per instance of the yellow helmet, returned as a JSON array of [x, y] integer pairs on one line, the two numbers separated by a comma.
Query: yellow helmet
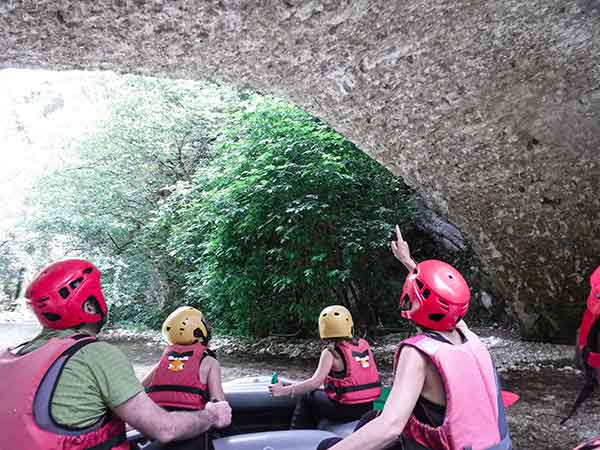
[[185, 326], [336, 322]]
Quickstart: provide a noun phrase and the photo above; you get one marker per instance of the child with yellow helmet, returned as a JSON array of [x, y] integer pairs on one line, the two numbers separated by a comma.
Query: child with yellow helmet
[[346, 370], [188, 375]]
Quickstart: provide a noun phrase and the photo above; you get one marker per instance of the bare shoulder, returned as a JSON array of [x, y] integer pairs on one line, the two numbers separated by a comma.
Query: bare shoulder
[[210, 361], [328, 353], [411, 357]]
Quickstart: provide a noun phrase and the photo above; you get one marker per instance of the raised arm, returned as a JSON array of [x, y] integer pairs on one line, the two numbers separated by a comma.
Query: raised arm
[[156, 423], [314, 382], [402, 252]]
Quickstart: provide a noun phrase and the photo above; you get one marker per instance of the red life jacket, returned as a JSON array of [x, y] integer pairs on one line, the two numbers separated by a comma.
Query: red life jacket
[[26, 391], [360, 383], [590, 317], [475, 417], [587, 343], [175, 383]]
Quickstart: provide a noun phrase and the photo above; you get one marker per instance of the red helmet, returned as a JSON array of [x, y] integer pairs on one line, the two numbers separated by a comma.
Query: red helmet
[[58, 293], [435, 296]]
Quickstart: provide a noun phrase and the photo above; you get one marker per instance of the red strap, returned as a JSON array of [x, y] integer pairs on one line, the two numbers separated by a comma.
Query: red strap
[[593, 359]]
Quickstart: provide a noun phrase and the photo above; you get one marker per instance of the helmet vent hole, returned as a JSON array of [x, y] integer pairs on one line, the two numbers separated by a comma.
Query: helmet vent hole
[[168, 328], [198, 333], [450, 276], [415, 271], [88, 270], [75, 283], [336, 313], [64, 292], [324, 315], [426, 293], [406, 303], [182, 329], [51, 316], [436, 317], [92, 301], [419, 283]]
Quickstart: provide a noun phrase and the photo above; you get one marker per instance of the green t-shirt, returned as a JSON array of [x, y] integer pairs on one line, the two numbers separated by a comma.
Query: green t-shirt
[[96, 378]]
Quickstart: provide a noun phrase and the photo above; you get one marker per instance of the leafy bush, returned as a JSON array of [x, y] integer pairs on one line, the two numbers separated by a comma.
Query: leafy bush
[[290, 217]]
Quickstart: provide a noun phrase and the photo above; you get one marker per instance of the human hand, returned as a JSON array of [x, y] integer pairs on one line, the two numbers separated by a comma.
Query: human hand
[[277, 389], [401, 251], [220, 413]]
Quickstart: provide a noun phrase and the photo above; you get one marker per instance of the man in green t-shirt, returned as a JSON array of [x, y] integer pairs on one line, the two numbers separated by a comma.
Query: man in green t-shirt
[[90, 386]]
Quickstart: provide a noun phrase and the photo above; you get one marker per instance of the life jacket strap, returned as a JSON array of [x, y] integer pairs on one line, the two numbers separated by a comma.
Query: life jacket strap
[[343, 390], [176, 388], [110, 443]]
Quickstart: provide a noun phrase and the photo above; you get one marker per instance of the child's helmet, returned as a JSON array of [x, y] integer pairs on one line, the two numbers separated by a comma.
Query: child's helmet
[[335, 322], [186, 326]]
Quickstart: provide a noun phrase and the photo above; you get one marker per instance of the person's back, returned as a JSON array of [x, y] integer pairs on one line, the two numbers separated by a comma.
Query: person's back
[[460, 378], [57, 382], [358, 382], [188, 374], [460, 394], [65, 389], [347, 370]]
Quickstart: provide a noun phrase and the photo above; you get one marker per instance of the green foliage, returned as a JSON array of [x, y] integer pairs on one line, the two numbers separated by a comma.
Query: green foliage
[[98, 204], [254, 211], [290, 217]]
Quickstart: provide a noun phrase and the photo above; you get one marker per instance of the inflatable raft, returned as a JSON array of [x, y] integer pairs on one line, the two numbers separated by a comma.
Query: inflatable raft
[[261, 422]]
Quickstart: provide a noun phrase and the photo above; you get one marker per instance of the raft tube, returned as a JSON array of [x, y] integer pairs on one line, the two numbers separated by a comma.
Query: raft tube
[[261, 421], [274, 440]]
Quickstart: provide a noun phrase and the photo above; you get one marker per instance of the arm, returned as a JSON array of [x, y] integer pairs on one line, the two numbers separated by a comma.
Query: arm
[[402, 252], [314, 382], [387, 427], [214, 381], [156, 423]]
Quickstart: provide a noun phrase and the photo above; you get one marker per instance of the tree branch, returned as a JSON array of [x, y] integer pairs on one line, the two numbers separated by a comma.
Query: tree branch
[[119, 248]]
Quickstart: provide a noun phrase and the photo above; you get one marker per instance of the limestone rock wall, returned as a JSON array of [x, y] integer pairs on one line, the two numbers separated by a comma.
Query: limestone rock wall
[[491, 109]]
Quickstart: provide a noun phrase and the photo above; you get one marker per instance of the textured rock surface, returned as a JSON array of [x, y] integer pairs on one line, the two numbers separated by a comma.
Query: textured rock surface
[[490, 109]]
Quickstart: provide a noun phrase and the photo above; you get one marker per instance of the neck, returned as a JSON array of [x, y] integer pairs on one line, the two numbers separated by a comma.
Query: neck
[[453, 336]]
